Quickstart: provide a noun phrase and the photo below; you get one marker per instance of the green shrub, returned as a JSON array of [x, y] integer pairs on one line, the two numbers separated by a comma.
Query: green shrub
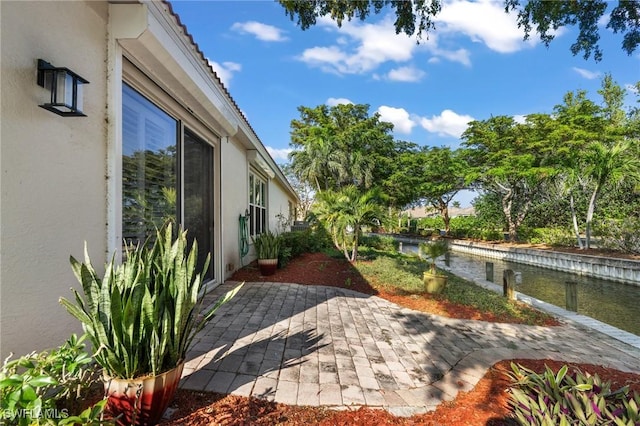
[[379, 242], [36, 388], [622, 235], [308, 241], [465, 227], [284, 256], [431, 223], [569, 399], [559, 237]]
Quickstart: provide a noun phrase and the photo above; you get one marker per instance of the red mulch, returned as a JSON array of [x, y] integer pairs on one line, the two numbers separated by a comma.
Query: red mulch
[[486, 404]]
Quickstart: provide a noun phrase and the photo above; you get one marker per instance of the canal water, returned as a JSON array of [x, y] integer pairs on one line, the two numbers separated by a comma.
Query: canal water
[[613, 303]]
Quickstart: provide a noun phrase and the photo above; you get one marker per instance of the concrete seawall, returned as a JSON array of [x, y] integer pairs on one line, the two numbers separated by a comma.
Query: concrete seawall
[[619, 270]]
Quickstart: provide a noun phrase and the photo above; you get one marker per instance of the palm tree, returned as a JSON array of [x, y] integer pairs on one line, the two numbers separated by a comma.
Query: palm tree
[[604, 165], [344, 212], [318, 163]]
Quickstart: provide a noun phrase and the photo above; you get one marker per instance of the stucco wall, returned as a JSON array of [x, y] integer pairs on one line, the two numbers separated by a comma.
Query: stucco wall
[[52, 182], [235, 200], [278, 205]]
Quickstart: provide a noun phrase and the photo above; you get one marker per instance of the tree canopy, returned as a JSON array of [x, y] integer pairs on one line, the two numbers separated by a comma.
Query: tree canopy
[[545, 17], [343, 145]]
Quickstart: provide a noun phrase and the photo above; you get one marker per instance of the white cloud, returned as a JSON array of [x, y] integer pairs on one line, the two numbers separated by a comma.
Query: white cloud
[[448, 123], [225, 70], [261, 31], [360, 47], [400, 118], [589, 75], [632, 88], [519, 118], [338, 101], [462, 56], [406, 74], [483, 21], [279, 154]]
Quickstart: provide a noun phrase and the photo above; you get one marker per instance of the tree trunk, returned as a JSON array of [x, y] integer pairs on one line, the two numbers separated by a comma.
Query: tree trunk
[[574, 219], [444, 212], [590, 210], [354, 249], [506, 209]]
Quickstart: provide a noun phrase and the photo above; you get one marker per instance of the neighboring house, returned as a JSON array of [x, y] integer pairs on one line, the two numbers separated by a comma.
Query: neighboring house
[[161, 138], [429, 211]]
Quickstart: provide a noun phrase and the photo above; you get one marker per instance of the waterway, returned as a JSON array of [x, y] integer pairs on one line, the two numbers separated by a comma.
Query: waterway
[[613, 303]]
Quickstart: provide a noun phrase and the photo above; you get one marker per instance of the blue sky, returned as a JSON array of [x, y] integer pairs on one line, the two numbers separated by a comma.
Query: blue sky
[[473, 66]]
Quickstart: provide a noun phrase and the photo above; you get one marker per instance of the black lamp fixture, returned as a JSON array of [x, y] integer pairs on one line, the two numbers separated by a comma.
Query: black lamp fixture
[[65, 87]]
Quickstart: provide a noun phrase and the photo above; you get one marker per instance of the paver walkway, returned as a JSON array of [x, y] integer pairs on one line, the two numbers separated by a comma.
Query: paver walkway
[[317, 345]]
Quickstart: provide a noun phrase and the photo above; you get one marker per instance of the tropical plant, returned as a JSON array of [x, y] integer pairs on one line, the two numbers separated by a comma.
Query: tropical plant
[[37, 388], [343, 213], [565, 398], [142, 316], [342, 145], [267, 245], [608, 165], [433, 250]]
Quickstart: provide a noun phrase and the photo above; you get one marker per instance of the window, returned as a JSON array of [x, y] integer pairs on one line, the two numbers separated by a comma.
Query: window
[[167, 173], [149, 166], [257, 204]]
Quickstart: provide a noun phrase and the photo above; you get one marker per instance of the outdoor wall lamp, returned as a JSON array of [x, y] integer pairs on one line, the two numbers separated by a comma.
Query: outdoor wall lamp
[[65, 87]]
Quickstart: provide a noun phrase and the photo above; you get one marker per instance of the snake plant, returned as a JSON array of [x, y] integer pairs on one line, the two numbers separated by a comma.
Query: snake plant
[[267, 245], [143, 314]]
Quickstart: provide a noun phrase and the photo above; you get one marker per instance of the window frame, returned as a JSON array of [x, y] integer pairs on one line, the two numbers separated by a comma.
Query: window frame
[[154, 92], [258, 208]]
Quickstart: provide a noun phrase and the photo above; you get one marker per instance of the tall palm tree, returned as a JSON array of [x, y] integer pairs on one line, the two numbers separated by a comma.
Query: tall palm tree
[[344, 212], [608, 164]]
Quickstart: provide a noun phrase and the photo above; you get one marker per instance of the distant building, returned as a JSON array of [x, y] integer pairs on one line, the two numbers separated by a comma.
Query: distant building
[[428, 211]]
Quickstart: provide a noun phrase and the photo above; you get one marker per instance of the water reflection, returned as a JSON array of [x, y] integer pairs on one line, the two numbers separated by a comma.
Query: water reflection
[[613, 303]]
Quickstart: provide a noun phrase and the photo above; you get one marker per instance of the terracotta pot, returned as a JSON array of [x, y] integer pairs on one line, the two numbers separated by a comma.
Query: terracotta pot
[[433, 283], [141, 401], [267, 266]]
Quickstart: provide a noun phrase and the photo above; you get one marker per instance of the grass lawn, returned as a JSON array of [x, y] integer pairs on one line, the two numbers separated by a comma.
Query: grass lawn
[[401, 274]]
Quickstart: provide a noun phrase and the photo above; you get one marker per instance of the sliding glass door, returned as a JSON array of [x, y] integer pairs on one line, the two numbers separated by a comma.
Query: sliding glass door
[[198, 196]]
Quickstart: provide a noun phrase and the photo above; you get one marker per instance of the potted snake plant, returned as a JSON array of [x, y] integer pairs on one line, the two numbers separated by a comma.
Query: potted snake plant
[[141, 318], [267, 247], [434, 282]]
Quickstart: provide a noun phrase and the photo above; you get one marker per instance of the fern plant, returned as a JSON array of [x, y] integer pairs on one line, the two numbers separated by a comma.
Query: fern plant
[[143, 314]]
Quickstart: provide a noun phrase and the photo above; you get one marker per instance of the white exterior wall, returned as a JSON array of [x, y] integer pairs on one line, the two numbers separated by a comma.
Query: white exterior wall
[[278, 205], [235, 200], [52, 183], [61, 176]]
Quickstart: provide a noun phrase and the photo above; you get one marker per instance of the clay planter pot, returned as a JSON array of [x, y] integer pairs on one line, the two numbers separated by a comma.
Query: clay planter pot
[[434, 283], [267, 266], [141, 401]]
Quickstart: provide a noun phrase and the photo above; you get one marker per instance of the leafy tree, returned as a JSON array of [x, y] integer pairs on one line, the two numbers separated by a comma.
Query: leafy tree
[[417, 17], [340, 146], [305, 192], [402, 184], [508, 159], [577, 123], [593, 147], [442, 176], [344, 212]]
